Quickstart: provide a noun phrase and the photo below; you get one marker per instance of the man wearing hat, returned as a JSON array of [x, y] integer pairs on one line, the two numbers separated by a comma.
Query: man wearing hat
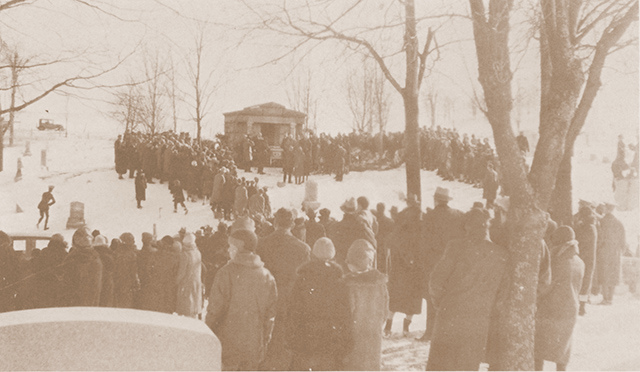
[[47, 201], [82, 271], [441, 224], [463, 288], [242, 305], [348, 230], [611, 245], [282, 254]]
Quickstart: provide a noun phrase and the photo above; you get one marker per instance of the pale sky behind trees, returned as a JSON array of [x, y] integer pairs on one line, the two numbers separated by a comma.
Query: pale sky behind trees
[[248, 74]]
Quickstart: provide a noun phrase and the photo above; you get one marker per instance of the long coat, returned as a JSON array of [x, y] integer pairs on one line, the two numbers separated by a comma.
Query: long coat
[[587, 237], [49, 278], [141, 187], [368, 301], [161, 292], [319, 317], [611, 244], [241, 199], [218, 187], [558, 305], [189, 281], [106, 256], [405, 287], [242, 304], [82, 277], [463, 287], [125, 277], [345, 232], [282, 254], [147, 261]]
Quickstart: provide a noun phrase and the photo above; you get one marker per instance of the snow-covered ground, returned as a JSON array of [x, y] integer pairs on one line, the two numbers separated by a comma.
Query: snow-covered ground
[[81, 169]]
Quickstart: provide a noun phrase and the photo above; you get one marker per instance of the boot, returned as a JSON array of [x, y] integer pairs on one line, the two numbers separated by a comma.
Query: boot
[[405, 327], [582, 311], [387, 327]]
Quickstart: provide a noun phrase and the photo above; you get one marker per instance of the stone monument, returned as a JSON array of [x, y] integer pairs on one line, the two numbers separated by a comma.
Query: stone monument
[[310, 196], [101, 339], [76, 216]]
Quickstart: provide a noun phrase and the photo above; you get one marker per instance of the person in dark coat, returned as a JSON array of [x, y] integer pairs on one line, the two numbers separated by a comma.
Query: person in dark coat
[[9, 273], [463, 287], [611, 245], [125, 273], [490, 185], [282, 254], [369, 302], [587, 236], [385, 227], [350, 229], [242, 305], [100, 244], [440, 225], [146, 263], [319, 314], [219, 181], [558, 306], [178, 196], [314, 229], [523, 142], [82, 272], [161, 293], [405, 287], [141, 188], [48, 266]]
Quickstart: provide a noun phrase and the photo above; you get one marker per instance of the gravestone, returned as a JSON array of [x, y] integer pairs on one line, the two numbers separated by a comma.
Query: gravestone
[[27, 149], [76, 215], [311, 196], [95, 338]]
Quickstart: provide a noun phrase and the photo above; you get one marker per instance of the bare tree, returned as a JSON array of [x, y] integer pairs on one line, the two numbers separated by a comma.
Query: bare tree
[[153, 105], [360, 92], [172, 92], [300, 95], [431, 100], [313, 22], [128, 105]]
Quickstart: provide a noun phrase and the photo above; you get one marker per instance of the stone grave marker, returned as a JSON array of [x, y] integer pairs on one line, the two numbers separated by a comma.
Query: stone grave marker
[[76, 215], [105, 339]]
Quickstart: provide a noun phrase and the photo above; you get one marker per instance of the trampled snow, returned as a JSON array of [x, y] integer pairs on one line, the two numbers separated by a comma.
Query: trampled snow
[[82, 169]]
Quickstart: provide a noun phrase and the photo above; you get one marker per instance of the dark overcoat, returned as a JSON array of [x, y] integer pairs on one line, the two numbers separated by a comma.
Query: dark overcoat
[[587, 237], [463, 287], [611, 245], [345, 232], [125, 277], [82, 276]]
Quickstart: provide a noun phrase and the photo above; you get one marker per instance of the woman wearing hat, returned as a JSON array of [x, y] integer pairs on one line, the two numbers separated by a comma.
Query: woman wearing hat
[[558, 305], [319, 314], [348, 230]]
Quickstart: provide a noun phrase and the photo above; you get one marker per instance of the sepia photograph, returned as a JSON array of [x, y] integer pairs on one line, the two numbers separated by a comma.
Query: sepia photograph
[[319, 185]]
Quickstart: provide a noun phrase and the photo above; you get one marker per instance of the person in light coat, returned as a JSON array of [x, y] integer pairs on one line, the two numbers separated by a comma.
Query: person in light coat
[[242, 304], [558, 305], [189, 301]]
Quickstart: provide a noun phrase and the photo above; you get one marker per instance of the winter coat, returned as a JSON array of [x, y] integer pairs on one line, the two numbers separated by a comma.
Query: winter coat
[[558, 307], [218, 187], [147, 261], [256, 204], [298, 166], [368, 302], [490, 185], [125, 277], [385, 227], [282, 254], [463, 287], [241, 199], [141, 187], [48, 266], [241, 307], [9, 274], [161, 293], [178, 193], [319, 317], [82, 277], [405, 275], [106, 256], [345, 232], [587, 237], [440, 225], [611, 245], [314, 231], [189, 302]]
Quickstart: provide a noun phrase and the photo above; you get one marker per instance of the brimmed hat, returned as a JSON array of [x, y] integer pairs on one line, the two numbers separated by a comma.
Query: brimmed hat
[[244, 239], [349, 206], [323, 249], [562, 235], [283, 217], [82, 238], [442, 193], [476, 218], [243, 223]]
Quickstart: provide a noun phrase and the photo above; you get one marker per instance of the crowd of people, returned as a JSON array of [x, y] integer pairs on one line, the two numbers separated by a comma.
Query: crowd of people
[[290, 292]]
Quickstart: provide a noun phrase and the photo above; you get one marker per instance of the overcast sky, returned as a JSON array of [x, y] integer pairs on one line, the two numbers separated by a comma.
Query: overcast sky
[[246, 71]]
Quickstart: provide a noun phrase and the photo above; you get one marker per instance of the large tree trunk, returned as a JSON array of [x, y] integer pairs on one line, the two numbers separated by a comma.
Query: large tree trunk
[[562, 209], [410, 97]]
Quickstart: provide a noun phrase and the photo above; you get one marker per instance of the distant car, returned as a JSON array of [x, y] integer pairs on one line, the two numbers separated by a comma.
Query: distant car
[[48, 124]]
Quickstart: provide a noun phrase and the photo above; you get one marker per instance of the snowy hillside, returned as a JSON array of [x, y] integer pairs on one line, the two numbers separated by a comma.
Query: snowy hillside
[[81, 169]]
